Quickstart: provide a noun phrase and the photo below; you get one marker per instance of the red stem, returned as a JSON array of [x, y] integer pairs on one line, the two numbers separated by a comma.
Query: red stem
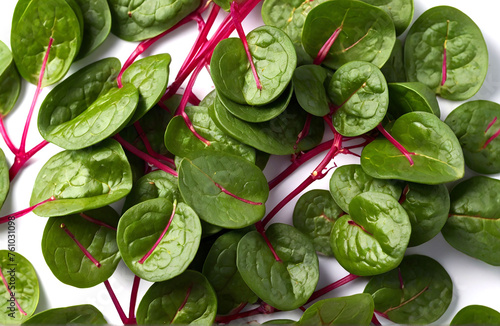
[[396, 144], [351, 222], [6, 137], [183, 304], [147, 144], [82, 248], [264, 308], [260, 228], [382, 314], [375, 321], [490, 124], [403, 193], [133, 300], [495, 135], [23, 212], [143, 155], [96, 221], [319, 293], [11, 294], [146, 256], [227, 192], [118, 307], [323, 52]]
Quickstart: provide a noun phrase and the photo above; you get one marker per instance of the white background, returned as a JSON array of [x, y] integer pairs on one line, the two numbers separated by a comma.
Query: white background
[[475, 282]]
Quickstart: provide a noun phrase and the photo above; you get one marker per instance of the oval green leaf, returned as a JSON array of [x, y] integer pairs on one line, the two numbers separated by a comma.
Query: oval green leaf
[[82, 314], [476, 314], [409, 97], [309, 87], [10, 83], [96, 25]]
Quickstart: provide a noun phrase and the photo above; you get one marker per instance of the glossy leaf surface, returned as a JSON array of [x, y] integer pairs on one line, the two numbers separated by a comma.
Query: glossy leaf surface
[[473, 224], [273, 56], [475, 125], [409, 97], [359, 94], [10, 83], [82, 314], [476, 314], [35, 22], [309, 86], [436, 152], [96, 24], [348, 181], [201, 183], [352, 310], [285, 284], [67, 261], [139, 230], [4, 178], [367, 32], [418, 292], [373, 238], [394, 68], [82, 180], [314, 215], [441, 28], [401, 12], [23, 284], [186, 299], [221, 271]]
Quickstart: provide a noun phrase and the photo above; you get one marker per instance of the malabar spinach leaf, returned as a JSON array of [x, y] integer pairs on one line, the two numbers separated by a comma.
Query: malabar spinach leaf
[[96, 24], [82, 314], [394, 68], [477, 315], [10, 83], [409, 97], [4, 178], [309, 86], [401, 12]]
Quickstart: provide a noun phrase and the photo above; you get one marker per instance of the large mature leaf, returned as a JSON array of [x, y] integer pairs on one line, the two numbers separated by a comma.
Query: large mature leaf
[[33, 24], [184, 300], [473, 226], [277, 136], [409, 97], [82, 314], [401, 12], [96, 24], [139, 20], [82, 180], [224, 190], [358, 91], [221, 271], [476, 315], [475, 125], [367, 32], [418, 292], [67, 261], [140, 228], [23, 286], [284, 284], [434, 148], [441, 29], [373, 238], [10, 83], [352, 310]]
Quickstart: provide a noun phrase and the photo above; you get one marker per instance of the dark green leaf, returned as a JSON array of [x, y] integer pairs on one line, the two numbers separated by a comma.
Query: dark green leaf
[[201, 183], [4, 178], [285, 284], [96, 24], [186, 299], [82, 314], [309, 86], [10, 83], [476, 315], [394, 68], [409, 97], [401, 12]]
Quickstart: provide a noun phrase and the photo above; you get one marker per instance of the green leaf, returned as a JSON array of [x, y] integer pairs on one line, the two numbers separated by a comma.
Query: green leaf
[[182, 142], [96, 24], [314, 215], [186, 299], [23, 283], [42, 20], [367, 32], [477, 315], [285, 284], [373, 239], [277, 136], [273, 56], [221, 271], [150, 76], [4, 178], [201, 183], [473, 223], [394, 68], [410, 97], [401, 12], [475, 125], [82, 314], [352, 310], [436, 152], [140, 228], [358, 91], [67, 261], [350, 180], [466, 61], [309, 86], [140, 20], [82, 180], [10, 83], [418, 292]]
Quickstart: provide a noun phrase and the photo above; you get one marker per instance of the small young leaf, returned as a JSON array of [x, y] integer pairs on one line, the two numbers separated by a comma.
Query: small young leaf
[[409, 97], [82, 314], [10, 83], [309, 87]]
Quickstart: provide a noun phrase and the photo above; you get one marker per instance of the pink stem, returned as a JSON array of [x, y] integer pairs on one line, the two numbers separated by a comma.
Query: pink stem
[[183, 304], [403, 194], [23, 212], [82, 248], [21, 159], [6, 137], [147, 144], [490, 124], [143, 155], [133, 300], [146, 256], [264, 308], [118, 307], [246, 201], [444, 69], [323, 52], [96, 221], [375, 321], [241, 34], [304, 132], [260, 228], [22, 147], [495, 135], [382, 314], [396, 144], [351, 222], [321, 292], [11, 294]]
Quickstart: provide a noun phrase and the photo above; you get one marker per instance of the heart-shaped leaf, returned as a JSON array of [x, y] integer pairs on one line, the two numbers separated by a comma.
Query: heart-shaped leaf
[[284, 284], [82, 314], [10, 83], [434, 148], [373, 239]]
